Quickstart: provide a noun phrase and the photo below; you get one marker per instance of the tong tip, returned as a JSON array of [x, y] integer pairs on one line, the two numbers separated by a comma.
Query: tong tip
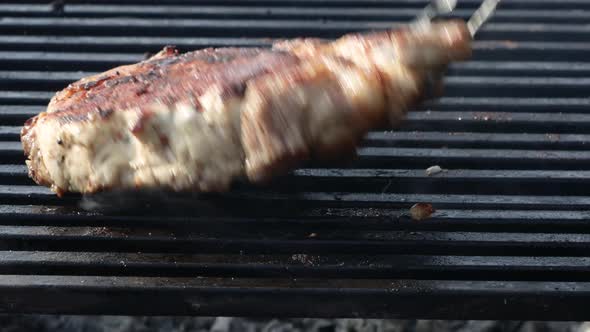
[[481, 15]]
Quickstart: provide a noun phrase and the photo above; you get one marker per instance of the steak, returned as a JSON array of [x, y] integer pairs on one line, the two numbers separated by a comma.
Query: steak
[[201, 120]]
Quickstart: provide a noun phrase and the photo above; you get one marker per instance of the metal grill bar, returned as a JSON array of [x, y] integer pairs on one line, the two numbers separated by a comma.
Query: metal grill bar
[[525, 4], [510, 237], [264, 28], [264, 13]]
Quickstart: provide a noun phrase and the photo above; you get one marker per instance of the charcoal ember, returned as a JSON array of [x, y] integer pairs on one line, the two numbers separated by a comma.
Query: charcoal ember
[[46, 323]]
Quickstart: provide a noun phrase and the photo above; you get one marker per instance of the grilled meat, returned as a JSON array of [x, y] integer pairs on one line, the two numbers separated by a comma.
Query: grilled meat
[[200, 120]]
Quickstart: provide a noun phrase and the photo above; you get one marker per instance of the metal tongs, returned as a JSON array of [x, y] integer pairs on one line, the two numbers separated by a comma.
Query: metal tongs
[[440, 7]]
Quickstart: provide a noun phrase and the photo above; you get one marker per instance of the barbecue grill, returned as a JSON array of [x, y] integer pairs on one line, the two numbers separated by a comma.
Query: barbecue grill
[[510, 238]]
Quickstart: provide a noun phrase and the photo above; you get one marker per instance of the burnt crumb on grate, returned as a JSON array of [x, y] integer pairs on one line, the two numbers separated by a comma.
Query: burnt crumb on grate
[[421, 211], [305, 259]]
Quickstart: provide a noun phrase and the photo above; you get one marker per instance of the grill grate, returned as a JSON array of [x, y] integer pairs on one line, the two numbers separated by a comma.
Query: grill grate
[[510, 238]]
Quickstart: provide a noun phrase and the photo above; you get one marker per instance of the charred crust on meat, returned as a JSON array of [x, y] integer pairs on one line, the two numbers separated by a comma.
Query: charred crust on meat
[[104, 113], [177, 77], [141, 90], [194, 101], [120, 80], [126, 79], [224, 55], [235, 89], [139, 126], [238, 88], [169, 50], [219, 58], [90, 85], [168, 61], [164, 141], [150, 75]]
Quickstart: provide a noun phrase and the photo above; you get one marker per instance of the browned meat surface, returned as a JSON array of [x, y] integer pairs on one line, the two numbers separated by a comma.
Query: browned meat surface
[[200, 120]]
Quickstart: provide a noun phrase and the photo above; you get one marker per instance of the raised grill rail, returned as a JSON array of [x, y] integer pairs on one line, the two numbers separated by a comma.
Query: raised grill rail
[[510, 238]]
